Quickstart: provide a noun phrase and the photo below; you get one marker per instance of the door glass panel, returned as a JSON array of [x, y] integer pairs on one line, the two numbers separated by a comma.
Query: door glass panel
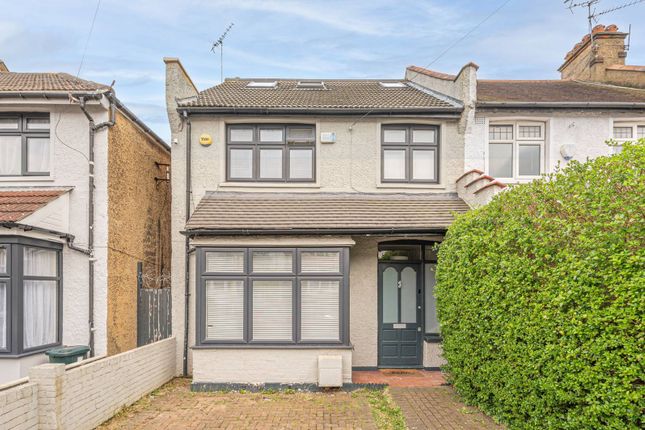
[[390, 296], [409, 295], [432, 324]]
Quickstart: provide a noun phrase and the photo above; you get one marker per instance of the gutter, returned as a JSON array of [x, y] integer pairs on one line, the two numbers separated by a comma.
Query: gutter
[[316, 231], [453, 112], [598, 105], [93, 128], [69, 238]]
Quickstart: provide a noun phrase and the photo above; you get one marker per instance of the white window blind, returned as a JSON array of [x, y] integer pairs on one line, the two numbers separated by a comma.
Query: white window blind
[[271, 163], [9, 124], [394, 136], [241, 135], [300, 134], [301, 163], [394, 164], [38, 123], [272, 310], [320, 310], [224, 310], [225, 262], [3, 315], [241, 163], [423, 164], [271, 135], [40, 313], [272, 261], [320, 262], [423, 136]]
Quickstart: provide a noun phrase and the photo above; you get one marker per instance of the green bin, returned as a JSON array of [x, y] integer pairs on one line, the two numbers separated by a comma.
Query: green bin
[[67, 354]]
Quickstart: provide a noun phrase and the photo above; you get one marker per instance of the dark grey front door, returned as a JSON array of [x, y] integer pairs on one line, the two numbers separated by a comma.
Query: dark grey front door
[[400, 337]]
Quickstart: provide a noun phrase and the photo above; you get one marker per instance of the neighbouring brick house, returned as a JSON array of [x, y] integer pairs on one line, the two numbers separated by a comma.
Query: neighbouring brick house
[[84, 197], [306, 211]]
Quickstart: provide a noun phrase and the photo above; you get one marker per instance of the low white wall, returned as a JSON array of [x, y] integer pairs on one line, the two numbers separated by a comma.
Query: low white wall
[[19, 405], [258, 366], [83, 395]]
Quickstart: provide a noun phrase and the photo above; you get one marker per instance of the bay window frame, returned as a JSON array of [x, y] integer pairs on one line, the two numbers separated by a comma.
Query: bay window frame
[[256, 146], [409, 146], [15, 246], [25, 134], [296, 277]]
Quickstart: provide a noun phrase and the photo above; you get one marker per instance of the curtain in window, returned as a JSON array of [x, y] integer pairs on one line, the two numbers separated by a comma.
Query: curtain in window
[[320, 310], [3, 260], [10, 155], [3, 315], [39, 262], [40, 313], [38, 154]]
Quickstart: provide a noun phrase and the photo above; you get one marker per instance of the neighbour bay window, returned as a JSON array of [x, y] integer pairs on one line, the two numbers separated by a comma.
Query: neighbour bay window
[[410, 154], [516, 149], [272, 296], [30, 295], [24, 144], [271, 153]]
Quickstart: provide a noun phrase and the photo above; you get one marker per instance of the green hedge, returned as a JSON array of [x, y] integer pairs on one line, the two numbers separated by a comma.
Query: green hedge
[[541, 298]]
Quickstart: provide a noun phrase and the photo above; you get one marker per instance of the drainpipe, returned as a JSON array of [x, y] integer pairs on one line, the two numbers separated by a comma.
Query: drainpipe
[[187, 251], [93, 128]]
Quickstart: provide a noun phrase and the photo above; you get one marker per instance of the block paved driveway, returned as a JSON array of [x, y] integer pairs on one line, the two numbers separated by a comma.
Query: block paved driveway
[[438, 408], [174, 406]]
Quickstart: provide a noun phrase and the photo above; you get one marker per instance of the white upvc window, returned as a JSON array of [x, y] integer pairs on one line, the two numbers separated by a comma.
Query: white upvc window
[[626, 132], [516, 149]]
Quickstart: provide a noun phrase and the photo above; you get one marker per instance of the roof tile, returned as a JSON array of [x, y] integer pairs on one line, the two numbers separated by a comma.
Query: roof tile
[[13, 81], [16, 205]]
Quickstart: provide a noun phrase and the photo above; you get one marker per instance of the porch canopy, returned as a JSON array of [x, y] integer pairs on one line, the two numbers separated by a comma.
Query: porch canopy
[[236, 213]]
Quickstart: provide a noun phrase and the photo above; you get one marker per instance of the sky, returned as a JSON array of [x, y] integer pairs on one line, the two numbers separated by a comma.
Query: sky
[[292, 39]]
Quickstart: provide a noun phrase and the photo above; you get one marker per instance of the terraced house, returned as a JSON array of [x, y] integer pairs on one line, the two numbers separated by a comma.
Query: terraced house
[[79, 208], [307, 211]]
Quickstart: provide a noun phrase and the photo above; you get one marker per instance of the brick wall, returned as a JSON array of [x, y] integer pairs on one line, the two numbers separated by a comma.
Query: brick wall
[[19, 405], [83, 395]]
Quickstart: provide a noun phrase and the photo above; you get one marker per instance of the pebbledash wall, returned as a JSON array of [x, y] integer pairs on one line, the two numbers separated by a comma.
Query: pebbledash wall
[[69, 139], [85, 394]]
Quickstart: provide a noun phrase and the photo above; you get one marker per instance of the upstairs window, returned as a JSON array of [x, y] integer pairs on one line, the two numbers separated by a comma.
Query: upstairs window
[[516, 150], [625, 132], [271, 153], [410, 154], [24, 144]]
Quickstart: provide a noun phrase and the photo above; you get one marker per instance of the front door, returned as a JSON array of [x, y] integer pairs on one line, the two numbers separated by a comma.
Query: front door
[[400, 337]]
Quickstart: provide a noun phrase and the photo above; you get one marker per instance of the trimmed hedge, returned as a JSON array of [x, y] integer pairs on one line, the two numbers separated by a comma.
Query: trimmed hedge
[[541, 298]]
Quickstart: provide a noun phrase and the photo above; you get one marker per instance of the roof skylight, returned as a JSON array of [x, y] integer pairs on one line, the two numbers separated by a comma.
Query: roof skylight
[[313, 84], [392, 84], [262, 84]]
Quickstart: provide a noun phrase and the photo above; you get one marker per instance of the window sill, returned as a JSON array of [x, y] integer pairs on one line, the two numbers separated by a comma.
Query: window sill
[[26, 179], [27, 354], [269, 185], [276, 346], [412, 186]]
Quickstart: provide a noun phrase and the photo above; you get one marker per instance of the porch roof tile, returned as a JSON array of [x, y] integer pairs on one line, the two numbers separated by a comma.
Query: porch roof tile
[[18, 204], [263, 213]]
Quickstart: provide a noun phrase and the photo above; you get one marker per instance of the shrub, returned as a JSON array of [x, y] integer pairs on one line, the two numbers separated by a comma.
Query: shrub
[[541, 298]]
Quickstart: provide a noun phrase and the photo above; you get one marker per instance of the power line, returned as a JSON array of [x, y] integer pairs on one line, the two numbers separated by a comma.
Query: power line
[[89, 36], [445, 51]]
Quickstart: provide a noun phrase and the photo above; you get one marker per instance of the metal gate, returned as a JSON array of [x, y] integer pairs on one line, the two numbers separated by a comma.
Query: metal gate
[[154, 313]]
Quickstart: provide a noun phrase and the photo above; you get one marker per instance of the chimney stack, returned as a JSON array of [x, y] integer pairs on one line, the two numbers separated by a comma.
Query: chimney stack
[[3, 66], [601, 58]]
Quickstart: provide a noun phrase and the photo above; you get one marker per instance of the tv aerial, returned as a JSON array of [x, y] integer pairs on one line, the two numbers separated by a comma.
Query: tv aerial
[[219, 43]]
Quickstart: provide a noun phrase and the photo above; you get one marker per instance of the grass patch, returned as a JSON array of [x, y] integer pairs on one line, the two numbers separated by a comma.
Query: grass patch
[[386, 413]]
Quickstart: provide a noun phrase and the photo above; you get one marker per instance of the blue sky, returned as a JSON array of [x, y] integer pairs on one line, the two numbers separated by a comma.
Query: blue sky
[[526, 39]]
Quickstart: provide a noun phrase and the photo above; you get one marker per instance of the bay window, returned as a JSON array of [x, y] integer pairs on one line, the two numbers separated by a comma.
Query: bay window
[[409, 154], [30, 295], [24, 144], [271, 153], [516, 150], [272, 296]]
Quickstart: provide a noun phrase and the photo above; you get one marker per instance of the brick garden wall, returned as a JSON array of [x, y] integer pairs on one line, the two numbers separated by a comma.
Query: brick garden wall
[[83, 395]]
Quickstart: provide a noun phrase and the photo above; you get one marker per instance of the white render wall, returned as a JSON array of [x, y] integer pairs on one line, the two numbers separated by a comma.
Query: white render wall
[[69, 137], [587, 131], [258, 366]]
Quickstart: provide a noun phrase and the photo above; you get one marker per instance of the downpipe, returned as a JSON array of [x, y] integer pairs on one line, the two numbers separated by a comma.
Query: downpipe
[[187, 247], [93, 128]]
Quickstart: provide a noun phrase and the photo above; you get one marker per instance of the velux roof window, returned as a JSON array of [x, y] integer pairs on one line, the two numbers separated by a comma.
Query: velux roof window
[[312, 85], [262, 84]]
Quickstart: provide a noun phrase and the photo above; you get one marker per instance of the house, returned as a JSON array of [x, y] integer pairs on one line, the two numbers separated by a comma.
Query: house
[[84, 197], [517, 130], [307, 211]]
